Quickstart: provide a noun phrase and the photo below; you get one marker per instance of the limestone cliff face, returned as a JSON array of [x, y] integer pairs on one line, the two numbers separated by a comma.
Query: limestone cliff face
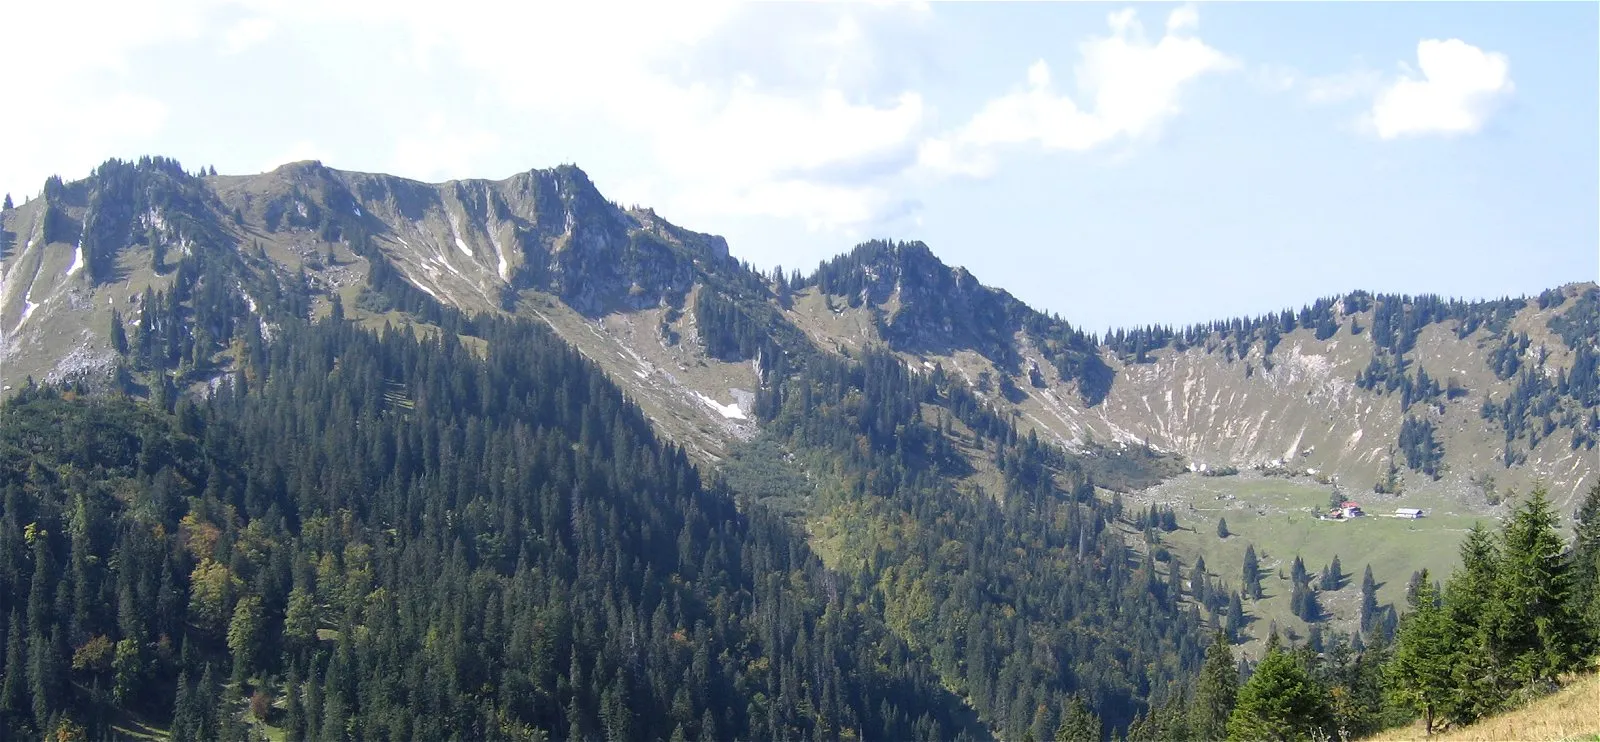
[[471, 243]]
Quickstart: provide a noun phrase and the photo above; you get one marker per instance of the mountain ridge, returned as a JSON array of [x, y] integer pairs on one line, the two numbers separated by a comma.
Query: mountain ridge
[[612, 275]]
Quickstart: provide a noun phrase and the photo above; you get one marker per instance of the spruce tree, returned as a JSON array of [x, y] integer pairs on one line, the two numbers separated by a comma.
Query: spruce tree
[[1235, 620], [1482, 680], [1215, 692], [1078, 723], [1280, 701], [1420, 675], [1369, 600], [1252, 573], [294, 724], [185, 717], [1586, 561], [1537, 627]]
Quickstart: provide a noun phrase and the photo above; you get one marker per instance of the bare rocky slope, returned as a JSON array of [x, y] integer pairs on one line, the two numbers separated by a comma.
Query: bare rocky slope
[[1507, 397]]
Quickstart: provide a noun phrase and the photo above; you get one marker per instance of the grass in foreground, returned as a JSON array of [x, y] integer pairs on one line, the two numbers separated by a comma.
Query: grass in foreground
[[1572, 713]]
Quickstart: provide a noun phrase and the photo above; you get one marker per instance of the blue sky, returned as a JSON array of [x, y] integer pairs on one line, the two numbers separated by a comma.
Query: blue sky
[[1116, 163]]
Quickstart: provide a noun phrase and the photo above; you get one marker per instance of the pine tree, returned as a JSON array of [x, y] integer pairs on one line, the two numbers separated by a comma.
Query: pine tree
[[119, 336], [1215, 692], [1222, 528], [1235, 620], [1420, 675], [294, 724], [1369, 600], [1078, 723], [1538, 629], [1332, 577], [1586, 560], [185, 721], [204, 700], [243, 634], [1252, 573], [1280, 701]]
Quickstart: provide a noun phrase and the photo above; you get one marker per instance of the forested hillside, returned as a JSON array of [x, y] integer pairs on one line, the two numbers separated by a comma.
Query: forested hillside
[[387, 537]]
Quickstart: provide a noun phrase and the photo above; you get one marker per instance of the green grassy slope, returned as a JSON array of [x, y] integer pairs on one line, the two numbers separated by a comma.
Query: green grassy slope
[[1278, 516]]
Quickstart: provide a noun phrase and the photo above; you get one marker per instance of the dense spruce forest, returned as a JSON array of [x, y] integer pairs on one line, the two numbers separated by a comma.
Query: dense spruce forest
[[401, 539]]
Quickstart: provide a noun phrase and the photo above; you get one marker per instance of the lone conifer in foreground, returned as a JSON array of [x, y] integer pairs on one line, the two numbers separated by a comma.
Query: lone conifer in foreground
[[1281, 701], [1419, 675]]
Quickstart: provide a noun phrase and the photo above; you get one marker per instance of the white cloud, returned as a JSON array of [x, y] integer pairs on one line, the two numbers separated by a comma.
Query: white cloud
[[801, 120], [1342, 86], [762, 130], [247, 33], [302, 149], [1455, 92], [442, 151], [1132, 87], [89, 108]]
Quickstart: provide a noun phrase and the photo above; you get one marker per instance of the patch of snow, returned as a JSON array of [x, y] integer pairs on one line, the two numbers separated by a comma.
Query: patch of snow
[[357, 210], [503, 266], [77, 260], [494, 239], [27, 309], [419, 284], [455, 231], [731, 412]]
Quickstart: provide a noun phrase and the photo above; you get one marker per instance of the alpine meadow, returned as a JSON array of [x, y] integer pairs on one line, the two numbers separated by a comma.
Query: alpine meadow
[[315, 453]]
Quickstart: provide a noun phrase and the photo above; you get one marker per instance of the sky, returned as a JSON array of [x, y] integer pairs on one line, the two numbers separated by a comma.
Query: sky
[[1119, 164]]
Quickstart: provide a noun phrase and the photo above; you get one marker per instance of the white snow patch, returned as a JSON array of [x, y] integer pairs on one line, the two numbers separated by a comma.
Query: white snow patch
[[455, 231], [731, 412], [503, 266], [27, 309], [356, 209], [77, 260], [494, 239], [419, 284]]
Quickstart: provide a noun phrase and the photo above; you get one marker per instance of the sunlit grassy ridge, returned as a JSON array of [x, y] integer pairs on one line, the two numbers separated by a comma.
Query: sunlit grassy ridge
[[1573, 713]]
